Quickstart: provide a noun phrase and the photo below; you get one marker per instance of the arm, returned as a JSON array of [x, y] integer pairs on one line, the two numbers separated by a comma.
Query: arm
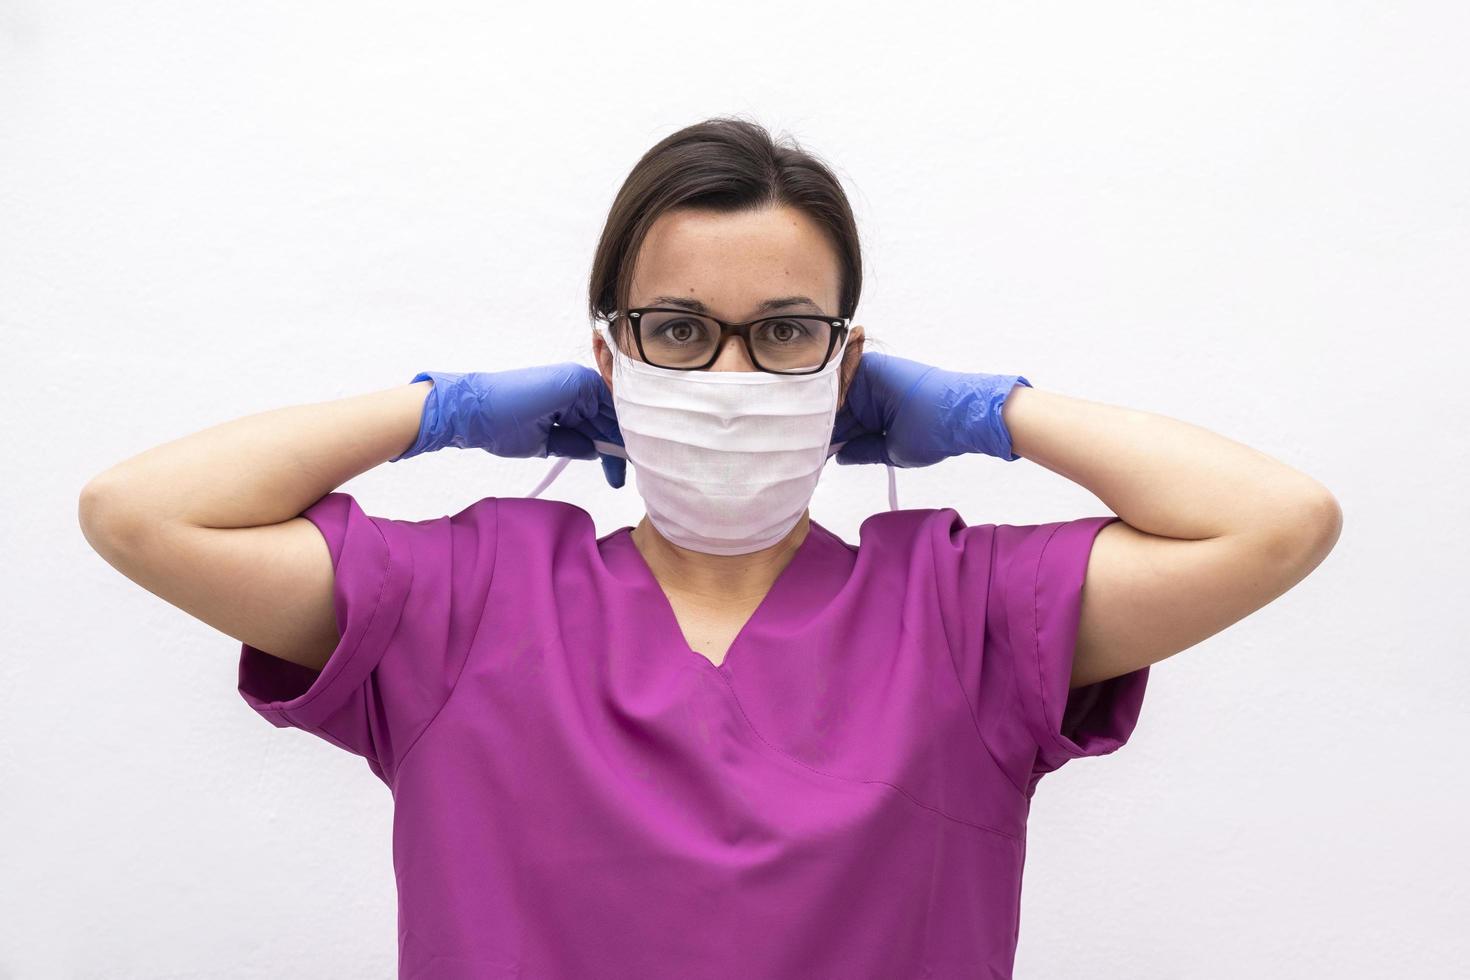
[[210, 524], [1211, 529]]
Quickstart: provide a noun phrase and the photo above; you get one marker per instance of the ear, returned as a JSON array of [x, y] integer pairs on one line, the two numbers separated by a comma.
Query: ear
[[850, 359], [603, 356]]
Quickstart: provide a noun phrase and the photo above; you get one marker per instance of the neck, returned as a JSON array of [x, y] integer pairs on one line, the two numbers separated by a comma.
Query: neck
[[717, 578]]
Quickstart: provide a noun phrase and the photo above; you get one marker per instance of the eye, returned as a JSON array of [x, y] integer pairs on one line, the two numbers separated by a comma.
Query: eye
[[679, 330], [785, 331]]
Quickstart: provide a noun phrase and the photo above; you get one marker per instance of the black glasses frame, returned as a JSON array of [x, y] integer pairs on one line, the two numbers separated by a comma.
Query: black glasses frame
[[742, 330]]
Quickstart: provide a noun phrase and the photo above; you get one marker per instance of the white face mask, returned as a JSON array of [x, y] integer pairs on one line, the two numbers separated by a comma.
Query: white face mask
[[726, 461]]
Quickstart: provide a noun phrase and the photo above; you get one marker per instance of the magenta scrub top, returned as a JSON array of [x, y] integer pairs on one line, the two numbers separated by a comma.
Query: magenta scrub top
[[578, 794]]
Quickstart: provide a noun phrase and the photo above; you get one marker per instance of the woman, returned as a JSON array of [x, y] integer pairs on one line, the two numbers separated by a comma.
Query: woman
[[724, 742]]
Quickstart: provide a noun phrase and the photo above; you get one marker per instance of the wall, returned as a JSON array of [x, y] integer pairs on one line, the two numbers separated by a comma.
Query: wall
[[1251, 217]]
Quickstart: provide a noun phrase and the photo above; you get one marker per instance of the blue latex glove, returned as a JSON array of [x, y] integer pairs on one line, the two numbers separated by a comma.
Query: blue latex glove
[[905, 413], [548, 410]]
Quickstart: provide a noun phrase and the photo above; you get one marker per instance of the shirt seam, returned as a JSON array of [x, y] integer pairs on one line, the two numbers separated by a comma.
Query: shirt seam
[[383, 578], [470, 652], [1055, 737], [305, 722], [954, 671]]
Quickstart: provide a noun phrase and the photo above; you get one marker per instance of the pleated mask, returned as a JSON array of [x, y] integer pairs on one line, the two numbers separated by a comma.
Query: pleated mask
[[726, 461]]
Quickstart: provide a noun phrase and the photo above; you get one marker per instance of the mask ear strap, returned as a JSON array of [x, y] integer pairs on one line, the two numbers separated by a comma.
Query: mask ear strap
[[551, 475], [892, 475], [610, 448]]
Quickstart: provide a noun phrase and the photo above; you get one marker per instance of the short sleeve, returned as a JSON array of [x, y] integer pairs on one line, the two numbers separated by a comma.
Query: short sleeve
[[1042, 570], [409, 597], [1017, 608]]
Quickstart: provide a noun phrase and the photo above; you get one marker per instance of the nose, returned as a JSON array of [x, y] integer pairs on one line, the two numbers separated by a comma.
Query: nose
[[732, 357]]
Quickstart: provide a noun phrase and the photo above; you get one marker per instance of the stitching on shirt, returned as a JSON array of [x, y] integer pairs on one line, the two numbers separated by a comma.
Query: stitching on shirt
[[964, 694], [851, 779], [372, 617], [474, 645], [1035, 644]]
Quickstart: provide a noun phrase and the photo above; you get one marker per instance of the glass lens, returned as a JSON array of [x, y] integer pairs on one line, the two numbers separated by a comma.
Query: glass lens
[[677, 339], [795, 343], [685, 340]]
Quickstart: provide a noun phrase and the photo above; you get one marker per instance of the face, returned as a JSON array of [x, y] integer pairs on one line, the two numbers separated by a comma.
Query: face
[[732, 263]]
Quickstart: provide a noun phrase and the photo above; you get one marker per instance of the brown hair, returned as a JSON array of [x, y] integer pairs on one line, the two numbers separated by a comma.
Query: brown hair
[[728, 164]]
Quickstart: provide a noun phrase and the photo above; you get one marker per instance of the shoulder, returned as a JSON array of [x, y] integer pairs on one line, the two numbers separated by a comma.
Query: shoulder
[[534, 534], [945, 532], [976, 570], [464, 544], [929, 551], [938, 531], [529, 518]]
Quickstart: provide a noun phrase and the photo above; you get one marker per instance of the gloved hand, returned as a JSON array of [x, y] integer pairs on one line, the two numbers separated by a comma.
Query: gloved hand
[[905, 413], [548, 410]]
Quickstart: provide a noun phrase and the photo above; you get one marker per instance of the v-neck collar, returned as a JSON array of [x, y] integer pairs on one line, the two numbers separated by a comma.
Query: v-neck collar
[[795, 596]]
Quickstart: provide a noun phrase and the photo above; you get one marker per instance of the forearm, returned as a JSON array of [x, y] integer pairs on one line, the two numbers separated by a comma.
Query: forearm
[[263, 468], [1160, 475]]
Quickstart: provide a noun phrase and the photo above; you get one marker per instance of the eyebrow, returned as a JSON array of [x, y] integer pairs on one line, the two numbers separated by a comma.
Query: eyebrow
[[696, 306]]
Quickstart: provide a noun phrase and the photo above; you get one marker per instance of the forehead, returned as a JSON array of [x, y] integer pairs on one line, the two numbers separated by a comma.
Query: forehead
[[733, 261]]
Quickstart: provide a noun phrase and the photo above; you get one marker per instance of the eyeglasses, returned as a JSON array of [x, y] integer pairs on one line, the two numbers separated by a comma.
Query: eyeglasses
[[683, 341]]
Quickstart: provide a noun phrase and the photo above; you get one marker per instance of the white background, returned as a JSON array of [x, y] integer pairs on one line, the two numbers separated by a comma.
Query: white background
[[1252, 217]]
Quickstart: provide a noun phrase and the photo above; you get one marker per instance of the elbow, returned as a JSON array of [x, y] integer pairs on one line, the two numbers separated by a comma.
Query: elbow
[[1332, 516], [1309, 531], [96, 500], [90, 505], [105, 515], [1322, 517]]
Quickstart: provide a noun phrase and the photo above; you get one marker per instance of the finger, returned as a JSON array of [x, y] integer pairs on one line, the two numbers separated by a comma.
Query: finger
[[863, 449], [615, 468], [556, 391], [607, 422], [562, 441], [601, 427]]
